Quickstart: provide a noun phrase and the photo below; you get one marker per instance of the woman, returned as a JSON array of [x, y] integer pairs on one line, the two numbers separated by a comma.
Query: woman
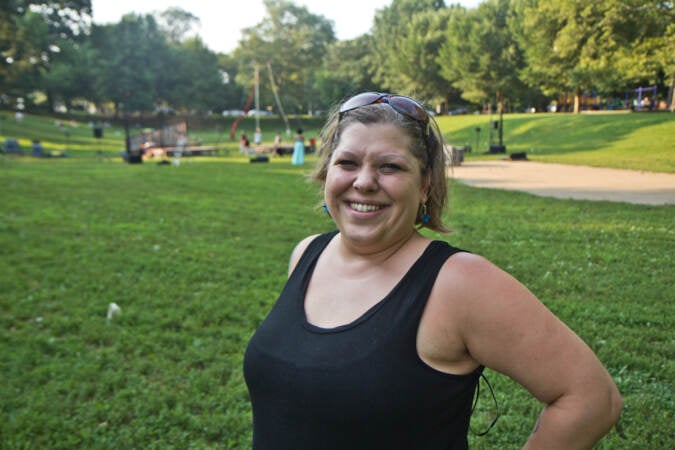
[[381, 334], [298, 157]]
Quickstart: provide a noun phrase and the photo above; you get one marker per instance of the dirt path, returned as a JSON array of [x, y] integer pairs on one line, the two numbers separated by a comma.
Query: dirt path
[[565, 181]]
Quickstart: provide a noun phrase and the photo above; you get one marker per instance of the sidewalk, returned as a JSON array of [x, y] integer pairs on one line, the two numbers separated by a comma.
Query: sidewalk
[[566, 181]]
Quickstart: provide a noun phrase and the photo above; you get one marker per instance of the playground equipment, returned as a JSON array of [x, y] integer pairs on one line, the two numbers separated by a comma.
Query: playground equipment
[[642, 102], [255, 94]]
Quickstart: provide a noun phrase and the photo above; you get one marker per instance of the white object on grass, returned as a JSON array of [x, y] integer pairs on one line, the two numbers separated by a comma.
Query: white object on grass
[[113, 310]]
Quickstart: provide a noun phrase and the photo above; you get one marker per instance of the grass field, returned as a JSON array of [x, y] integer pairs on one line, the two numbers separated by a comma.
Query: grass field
[[640, 141], [195, 256]]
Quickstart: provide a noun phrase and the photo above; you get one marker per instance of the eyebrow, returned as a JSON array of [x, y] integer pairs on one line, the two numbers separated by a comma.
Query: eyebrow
[[384, 156]]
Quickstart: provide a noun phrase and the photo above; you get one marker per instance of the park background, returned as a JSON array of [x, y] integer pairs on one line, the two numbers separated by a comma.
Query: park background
[[196, 254]]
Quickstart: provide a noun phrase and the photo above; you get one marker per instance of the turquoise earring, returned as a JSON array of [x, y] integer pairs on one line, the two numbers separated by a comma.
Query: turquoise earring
[[425, 215]]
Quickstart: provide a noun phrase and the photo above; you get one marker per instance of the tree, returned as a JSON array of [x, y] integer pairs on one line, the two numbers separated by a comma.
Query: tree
[[392, 27], [234, 95], [29, 34], [644, 37], [480, 56], [199, 82], [293, 41], [346, 69], [71, 74], [664, 54], [135, 64], [599, 45], [416, 57], [176, 24]]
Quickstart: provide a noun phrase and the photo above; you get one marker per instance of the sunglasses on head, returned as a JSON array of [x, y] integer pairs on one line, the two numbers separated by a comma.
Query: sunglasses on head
[[404, 105], [401, 104]]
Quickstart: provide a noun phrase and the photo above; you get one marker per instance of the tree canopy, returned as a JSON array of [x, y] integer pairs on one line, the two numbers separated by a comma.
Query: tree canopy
[[511, 52]]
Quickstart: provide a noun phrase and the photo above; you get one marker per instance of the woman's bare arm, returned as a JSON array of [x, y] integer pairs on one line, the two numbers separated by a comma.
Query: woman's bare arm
[[505, 327]]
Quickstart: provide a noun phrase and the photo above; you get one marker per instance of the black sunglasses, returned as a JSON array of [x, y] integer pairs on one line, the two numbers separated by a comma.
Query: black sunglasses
[[404, 105]]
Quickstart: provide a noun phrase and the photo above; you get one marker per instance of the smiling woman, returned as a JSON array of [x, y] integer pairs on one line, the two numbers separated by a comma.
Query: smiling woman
[[374, 186], [381, 335]]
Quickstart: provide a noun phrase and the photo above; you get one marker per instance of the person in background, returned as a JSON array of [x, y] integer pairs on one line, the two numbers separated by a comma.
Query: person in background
[[381, 334], [181, 143], [244, 144], [298, 157]]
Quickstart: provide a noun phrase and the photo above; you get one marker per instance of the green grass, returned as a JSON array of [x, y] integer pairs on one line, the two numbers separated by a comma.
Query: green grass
[[75, 137], [639, 141], [195, 256]]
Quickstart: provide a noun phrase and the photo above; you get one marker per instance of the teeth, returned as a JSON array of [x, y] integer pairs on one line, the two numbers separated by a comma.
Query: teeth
[[362, 207]]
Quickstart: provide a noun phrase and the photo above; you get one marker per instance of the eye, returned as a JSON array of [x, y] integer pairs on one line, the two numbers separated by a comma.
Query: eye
[[390, 168], [346, 163]]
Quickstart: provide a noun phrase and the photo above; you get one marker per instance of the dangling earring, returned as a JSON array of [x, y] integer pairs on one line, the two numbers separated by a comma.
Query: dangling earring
[[425, 215], [325, 208]]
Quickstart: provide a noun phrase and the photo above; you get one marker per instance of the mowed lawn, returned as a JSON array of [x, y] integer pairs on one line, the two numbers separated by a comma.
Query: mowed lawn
[[196, 255]]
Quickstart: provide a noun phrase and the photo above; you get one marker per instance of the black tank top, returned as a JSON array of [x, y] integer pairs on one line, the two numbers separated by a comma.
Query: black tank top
[[356, 386]]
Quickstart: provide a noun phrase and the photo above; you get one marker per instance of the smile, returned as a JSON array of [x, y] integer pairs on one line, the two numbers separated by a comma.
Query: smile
[[363, 207]]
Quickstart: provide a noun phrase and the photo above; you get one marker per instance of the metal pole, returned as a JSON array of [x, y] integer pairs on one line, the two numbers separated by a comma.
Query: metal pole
[[257, 99]]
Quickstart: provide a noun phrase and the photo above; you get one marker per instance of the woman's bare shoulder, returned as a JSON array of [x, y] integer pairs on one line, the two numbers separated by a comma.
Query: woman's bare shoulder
[[297, 252]]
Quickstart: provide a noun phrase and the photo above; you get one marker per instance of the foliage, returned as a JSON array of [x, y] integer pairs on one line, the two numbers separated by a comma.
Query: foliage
[[176, 23], [71, 75], [515, 52], [293, 41], [30, 32], [197, 83], [415, 57], [480, 57], [585, 46], [134, 62], [391, 29], [347, 68], [195, 256]]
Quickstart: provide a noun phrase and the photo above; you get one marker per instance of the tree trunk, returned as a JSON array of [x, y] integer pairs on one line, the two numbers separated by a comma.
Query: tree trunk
[[577, 103], [50, 100]]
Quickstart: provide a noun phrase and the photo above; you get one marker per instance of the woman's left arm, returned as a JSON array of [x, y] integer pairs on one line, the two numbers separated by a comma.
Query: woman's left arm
[[505, 327]]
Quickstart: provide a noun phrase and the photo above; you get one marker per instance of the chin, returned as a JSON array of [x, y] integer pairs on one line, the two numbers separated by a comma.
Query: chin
[[362, 235]]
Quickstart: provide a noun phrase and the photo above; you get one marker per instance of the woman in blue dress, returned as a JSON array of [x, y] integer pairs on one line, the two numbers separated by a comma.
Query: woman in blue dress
[[298, 149]]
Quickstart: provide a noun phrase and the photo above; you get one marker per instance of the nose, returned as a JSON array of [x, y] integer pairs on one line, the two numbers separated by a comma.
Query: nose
[[366, 180]]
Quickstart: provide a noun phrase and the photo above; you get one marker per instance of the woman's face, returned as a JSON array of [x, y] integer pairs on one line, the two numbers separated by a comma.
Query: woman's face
[[374, 186]]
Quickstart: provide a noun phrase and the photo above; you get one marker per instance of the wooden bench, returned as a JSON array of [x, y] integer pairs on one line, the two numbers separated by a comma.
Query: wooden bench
[[280, 150], [192, 151]]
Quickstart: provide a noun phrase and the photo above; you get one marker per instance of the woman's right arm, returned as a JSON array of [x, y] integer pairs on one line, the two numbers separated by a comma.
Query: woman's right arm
[[506, 328]]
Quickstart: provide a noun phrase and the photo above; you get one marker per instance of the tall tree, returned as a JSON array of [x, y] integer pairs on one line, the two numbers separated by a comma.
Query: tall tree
[[480, 56], [134, 63], [604, 46], [416, 57], [391, 30], [234, 95], [293, 41], [29, 34], [71, 75], [643, 37], [176, 23], [347, 68], [199, 83], [665, 56]]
